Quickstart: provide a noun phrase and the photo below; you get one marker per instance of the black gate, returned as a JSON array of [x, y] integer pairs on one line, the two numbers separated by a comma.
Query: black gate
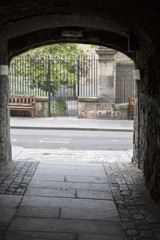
[[68, 79]]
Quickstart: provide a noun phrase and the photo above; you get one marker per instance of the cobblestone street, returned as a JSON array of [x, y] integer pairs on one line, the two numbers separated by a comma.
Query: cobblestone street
[[75, 195]]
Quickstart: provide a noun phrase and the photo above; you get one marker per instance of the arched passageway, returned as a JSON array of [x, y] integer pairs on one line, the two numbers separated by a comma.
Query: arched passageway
[[129, 26]]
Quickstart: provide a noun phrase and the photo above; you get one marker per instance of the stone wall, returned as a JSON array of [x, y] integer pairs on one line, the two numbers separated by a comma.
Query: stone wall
[[120, 111], [147, 121], [42, 107], [105, 110], [87, 107], [5, 146]]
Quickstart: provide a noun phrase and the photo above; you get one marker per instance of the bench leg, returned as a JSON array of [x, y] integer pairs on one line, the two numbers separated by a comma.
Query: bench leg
[[129, 114], [32, 113]]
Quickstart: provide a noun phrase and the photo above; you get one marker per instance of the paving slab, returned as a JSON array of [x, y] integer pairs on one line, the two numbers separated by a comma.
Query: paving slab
[[84, 194], [53, 170], [48, 177], [99, 237], [71, 166], [91, 168], [69, 185], [87, 213], [38, 212], [68, 202], [26, 235], [67, 226], [90, 172], [6, 214], [10, 200], [86, 179], [67, 193], [60, 173], [2, 231], [56, 167]]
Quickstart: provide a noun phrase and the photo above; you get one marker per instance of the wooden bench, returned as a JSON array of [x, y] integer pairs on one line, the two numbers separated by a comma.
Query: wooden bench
[[131, 107], [19, 102]]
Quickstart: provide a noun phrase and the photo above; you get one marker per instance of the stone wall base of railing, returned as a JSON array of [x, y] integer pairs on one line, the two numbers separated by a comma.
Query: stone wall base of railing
[[105, 110], [120, 110], [42, 107], [89, 107]]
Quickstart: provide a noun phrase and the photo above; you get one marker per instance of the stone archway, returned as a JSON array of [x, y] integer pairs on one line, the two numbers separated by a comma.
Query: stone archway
[[30, 24]]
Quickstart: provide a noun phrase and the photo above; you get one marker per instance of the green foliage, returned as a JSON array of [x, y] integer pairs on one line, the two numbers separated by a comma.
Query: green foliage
[[60, 107], [63, 49], [94, 46], [116, 56]]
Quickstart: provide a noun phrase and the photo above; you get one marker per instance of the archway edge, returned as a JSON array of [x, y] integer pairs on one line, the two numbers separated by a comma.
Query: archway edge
[[36, 23], [36, 39]]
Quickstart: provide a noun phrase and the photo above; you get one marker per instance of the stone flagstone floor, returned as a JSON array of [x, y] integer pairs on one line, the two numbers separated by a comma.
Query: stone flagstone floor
[[75, 195]]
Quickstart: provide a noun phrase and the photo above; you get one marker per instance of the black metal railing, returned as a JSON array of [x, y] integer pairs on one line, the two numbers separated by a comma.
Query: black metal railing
[[30, 75]]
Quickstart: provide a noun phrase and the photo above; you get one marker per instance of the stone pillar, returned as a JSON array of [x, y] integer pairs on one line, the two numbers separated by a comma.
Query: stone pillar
[[106, 82], [5, 146], [148, 61]]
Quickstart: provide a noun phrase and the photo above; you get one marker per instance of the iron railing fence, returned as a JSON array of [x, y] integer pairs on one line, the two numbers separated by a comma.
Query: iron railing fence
[[124, 82], [29, 75], [61, 79]]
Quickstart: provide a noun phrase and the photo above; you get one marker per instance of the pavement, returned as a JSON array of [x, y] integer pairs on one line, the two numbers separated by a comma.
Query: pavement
[[60, 194], [71, 123], [75, 195]]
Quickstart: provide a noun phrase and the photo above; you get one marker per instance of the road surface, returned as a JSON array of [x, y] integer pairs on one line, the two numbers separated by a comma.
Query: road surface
[[72, 140]]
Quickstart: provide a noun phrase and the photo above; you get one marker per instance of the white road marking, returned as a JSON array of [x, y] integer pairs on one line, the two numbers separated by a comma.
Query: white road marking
[[54, 141], [42, 141]]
